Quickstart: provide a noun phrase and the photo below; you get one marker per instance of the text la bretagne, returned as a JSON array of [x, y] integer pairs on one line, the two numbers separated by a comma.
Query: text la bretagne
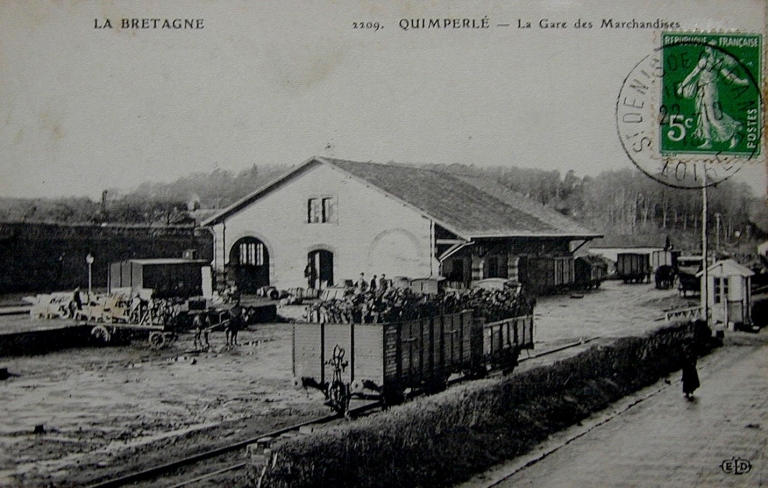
[[150, 24]]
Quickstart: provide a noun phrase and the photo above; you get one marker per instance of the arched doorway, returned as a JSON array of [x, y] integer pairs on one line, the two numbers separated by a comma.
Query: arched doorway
[[321, 261], [249, 264]]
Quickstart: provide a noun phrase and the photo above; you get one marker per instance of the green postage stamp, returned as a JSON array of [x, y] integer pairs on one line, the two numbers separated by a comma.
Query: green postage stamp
[[710, 100]]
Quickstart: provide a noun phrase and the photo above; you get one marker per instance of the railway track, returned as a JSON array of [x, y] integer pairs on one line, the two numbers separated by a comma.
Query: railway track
[[158, 471]]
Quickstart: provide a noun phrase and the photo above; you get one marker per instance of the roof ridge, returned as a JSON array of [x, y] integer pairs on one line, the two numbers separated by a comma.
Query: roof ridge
[[397, 164]]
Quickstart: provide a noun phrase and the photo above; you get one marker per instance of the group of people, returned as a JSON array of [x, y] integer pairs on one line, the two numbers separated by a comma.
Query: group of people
[[382, 304], [381, 283]]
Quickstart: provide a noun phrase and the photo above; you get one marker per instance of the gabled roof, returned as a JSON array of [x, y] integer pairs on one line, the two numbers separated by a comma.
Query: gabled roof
[[466, 206], [532, 207], [727, 267]]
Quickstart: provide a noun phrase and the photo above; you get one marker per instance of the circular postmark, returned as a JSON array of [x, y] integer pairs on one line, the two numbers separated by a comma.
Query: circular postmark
[[689, 114]]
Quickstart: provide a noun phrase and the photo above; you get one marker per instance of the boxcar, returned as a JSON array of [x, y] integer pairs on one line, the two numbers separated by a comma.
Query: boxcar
[[664, 258], [590, 271], [384, 360], [550, 274], [633, 267], [168, 277]]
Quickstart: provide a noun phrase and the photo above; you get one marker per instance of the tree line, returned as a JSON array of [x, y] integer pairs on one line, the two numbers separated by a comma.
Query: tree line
[[616, 202]]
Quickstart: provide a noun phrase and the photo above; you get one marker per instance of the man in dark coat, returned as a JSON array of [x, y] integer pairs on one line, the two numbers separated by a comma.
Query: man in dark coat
[[310, 273]]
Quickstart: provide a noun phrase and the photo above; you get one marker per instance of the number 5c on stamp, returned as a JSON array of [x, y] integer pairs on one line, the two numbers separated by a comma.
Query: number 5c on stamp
[[710, 100]]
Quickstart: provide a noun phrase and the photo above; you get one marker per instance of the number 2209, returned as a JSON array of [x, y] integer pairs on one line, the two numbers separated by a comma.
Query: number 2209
[[374, 26]]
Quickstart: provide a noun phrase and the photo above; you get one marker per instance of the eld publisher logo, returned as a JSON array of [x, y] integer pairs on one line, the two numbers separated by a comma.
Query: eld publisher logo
[[736, 466]]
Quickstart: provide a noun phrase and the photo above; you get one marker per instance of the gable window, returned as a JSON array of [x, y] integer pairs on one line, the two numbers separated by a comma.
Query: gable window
[[252, 253], [321, 210]]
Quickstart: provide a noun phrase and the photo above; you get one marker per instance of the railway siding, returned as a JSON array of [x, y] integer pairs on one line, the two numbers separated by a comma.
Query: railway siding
[[446, 438]]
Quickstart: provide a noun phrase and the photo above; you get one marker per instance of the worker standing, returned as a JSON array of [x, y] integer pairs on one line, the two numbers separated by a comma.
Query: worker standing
[[201, 324], [361, 284], [383, 283], [234, 324], [310, 273]]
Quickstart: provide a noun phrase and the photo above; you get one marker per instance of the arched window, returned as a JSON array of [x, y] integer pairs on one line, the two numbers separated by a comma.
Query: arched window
[[251, 253]]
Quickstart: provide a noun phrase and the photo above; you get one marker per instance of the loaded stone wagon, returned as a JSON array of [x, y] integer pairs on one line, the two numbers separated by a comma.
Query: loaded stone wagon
[[385, 360]]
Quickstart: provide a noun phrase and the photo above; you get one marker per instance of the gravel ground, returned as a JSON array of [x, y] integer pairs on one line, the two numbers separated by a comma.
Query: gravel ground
[[614, 310], [107, 411]]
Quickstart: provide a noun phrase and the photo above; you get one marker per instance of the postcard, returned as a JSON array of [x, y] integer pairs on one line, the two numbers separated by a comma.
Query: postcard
[[456, 243]]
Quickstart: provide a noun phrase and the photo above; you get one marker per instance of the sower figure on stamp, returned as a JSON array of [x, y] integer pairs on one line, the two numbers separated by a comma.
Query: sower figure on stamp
[[690, 375], [712, 124]]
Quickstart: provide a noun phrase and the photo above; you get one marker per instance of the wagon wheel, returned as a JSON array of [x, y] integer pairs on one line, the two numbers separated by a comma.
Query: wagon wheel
[[338, 397], [392, 395], [157, 340], [436, 384], [170, 338], [101, 334]]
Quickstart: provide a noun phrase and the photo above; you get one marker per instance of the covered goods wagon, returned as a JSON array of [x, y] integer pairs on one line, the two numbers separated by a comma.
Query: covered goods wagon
[[166, 276], [633, 267], [590, 271], [548, 274]]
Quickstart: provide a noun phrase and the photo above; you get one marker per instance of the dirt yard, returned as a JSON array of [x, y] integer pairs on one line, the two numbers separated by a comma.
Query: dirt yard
[[107, 411], [614, 310]]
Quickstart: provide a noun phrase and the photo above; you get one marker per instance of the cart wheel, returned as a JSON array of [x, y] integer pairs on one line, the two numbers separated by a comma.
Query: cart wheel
[[101, 334], [436, 384], [156, 340], [392, 395]]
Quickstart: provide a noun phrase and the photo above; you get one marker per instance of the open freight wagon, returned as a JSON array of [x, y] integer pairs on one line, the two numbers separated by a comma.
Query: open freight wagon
[[384, 360]]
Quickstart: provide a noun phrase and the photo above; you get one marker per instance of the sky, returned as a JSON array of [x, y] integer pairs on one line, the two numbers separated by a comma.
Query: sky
[[273, 82]]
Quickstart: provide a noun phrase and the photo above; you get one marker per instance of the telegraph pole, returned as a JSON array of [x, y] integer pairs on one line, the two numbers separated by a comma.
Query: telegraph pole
[[717, 234], [705, 264]]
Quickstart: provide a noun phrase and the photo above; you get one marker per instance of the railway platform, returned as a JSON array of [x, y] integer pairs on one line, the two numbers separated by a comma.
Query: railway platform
[[21, 335]]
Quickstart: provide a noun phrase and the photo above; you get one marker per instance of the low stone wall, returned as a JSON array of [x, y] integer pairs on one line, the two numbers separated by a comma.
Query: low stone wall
[[446, 438], [39, 257]]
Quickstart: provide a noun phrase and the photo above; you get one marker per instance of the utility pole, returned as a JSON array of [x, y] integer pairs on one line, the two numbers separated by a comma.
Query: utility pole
[[717, 233], [705, 264], [89, 261]]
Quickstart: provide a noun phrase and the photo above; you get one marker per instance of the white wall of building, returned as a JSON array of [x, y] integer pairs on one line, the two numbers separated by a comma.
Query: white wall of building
[[372, 232]]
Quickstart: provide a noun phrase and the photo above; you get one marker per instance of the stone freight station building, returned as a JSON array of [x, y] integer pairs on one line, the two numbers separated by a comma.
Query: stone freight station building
[[349, 217]]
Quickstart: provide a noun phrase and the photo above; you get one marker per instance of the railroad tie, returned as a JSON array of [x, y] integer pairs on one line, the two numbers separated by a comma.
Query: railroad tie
[[265, 442], [306, 429]]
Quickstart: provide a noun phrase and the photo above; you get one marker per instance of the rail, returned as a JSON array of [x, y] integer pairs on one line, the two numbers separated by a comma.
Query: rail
[[156, 471]]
